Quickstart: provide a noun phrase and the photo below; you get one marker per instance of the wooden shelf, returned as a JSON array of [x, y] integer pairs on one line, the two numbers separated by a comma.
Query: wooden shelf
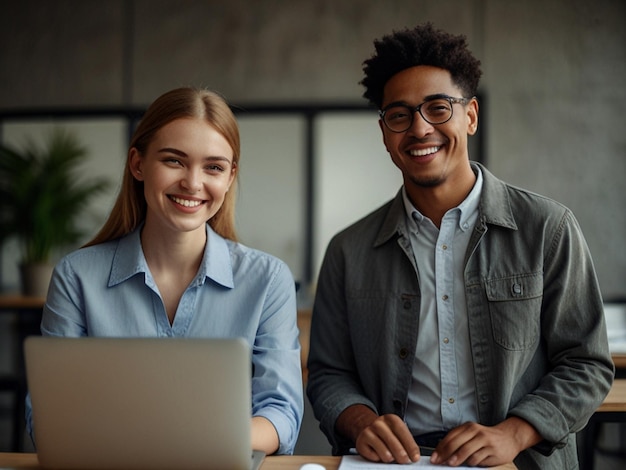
[[20, 302]]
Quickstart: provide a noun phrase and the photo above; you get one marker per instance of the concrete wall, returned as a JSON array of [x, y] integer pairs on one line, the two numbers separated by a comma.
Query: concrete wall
[[554, 76]]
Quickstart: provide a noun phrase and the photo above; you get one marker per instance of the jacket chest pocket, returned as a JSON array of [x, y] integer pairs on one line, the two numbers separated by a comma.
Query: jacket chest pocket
[[515, 309]]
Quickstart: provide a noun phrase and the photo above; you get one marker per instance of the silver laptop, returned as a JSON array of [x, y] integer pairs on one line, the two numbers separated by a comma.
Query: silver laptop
[[141, 403]]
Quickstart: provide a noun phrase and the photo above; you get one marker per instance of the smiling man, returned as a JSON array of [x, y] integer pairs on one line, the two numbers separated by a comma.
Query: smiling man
[[463, 318]]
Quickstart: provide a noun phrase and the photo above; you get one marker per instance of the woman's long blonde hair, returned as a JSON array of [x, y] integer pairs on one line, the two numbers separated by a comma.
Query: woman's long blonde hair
[[129, 210]]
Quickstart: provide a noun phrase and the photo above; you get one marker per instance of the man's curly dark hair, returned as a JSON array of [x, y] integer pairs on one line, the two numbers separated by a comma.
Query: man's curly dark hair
[[422, 45]]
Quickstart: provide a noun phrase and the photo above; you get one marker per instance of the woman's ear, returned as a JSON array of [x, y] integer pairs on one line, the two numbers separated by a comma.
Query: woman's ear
[[135, 163], [233, 175]]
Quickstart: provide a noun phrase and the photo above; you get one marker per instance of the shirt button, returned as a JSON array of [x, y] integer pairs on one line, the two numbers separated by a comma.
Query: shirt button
[[451, 400], [446, 340], [444, 297], [444, 247]]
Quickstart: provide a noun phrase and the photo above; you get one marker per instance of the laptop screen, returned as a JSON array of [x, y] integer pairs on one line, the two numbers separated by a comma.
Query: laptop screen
[[140, 402]]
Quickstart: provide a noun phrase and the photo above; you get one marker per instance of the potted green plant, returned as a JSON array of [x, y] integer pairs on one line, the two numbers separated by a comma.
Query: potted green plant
[[41, 196]]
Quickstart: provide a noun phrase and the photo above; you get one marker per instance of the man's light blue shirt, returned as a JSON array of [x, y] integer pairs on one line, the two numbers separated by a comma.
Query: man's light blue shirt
[[108, 290], [441, 395]]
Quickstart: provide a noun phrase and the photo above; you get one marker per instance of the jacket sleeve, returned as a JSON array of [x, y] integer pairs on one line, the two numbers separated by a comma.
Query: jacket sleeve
[[580, 369], [333, 384]]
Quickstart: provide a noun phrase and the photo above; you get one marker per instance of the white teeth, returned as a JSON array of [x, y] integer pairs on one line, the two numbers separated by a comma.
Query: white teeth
[[422, 152], [186, 202]]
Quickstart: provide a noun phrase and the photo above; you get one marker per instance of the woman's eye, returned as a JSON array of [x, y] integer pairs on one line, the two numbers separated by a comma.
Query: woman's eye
[[172, 160], [214, 168]]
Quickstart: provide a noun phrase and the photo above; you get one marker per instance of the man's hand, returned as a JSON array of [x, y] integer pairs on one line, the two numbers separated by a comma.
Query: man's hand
[[378, 438], [486, 446], [387, 439]]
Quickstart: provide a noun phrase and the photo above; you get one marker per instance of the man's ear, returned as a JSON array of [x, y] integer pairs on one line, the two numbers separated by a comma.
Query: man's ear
[[472, 116]]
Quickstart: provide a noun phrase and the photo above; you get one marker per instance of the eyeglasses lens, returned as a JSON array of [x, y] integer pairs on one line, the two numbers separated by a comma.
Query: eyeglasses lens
[[400, 118]]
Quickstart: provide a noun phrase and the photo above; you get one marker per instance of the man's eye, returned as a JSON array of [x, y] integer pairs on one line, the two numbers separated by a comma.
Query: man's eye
[[399, 114], [439, 106]]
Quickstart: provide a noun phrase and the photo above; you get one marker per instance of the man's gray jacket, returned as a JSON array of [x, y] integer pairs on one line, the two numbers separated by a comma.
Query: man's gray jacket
[[536, 321]]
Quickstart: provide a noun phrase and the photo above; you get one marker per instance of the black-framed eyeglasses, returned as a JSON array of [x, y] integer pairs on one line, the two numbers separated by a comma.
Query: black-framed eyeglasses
[[436, 110]]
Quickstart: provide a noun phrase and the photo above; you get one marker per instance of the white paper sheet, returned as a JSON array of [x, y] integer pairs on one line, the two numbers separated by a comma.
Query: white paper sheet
[[356, 462]]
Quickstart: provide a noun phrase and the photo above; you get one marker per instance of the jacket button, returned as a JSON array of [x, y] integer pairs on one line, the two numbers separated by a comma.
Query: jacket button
[[407, 304], [404, 352]]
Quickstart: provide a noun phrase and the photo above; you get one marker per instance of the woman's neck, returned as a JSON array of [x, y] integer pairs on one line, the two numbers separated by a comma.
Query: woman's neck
[[173, 260]]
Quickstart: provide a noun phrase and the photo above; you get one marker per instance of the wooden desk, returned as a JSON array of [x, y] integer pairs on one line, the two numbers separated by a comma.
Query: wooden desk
[[28, 461], [20, 302], [619, 359], [615, 401]]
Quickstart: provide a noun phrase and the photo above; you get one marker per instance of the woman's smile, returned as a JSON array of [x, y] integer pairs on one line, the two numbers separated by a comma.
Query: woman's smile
[[186, 202]]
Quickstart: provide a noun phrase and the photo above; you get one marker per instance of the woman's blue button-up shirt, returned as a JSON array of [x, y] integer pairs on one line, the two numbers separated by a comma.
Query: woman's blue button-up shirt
[[108, 290]]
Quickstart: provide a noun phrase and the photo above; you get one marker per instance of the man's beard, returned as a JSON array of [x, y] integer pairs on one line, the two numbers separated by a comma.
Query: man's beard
[[427, 182]]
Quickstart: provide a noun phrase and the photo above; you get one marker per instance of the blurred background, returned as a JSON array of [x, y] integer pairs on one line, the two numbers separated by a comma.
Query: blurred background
[[553, 98], [552, 103]]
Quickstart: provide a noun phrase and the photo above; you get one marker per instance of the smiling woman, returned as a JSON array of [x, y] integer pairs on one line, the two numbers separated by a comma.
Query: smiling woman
[[187, 169], [184, 105], [167, 263]]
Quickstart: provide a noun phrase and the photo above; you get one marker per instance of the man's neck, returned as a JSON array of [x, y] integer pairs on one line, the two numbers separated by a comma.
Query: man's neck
[[434, 201]]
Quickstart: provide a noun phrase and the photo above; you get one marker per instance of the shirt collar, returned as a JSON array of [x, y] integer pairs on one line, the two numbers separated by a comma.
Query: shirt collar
[[466, 212], [494, 207], [129, 260], [216, 263]]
